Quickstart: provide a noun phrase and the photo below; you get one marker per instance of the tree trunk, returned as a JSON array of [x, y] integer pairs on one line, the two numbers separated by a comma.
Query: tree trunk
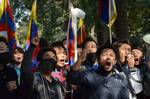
[[121, 25], [102, 33]]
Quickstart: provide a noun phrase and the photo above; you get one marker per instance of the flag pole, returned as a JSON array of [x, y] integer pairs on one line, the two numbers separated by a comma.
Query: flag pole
[[5, 8], [110, 35], [109, 24]]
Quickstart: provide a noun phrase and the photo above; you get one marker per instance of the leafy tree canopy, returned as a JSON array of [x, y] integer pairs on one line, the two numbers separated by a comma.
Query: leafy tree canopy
[[52, 16]]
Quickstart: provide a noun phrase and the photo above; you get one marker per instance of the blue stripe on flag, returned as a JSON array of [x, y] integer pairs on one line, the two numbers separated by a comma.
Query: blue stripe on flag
[[12, 42], [10, 23], [105, 11], [34, 30], [2, 20], [71, 35]]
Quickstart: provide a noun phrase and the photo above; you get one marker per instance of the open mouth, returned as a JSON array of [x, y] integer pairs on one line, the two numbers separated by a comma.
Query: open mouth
[[136, 59], [108, 63], [62, 60], [19, 58]]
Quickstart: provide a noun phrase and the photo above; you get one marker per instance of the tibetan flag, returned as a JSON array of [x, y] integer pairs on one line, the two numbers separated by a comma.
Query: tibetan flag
[[33, 32], [81, 33], [107, 11], [71, 43], [33, 29], [35, 62], [7, 25]]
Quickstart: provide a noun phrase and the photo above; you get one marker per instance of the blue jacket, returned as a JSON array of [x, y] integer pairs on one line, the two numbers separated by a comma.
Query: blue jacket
[[96, 86]]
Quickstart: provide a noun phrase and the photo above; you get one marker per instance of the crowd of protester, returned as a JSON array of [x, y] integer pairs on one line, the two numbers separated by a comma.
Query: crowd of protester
[[116, 71]]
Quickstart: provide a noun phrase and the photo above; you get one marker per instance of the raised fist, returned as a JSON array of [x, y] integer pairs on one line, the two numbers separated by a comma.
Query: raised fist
[[35, 41]]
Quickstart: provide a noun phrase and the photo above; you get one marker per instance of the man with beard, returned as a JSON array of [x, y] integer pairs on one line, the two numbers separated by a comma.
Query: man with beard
[[8, 76], [106, 82]]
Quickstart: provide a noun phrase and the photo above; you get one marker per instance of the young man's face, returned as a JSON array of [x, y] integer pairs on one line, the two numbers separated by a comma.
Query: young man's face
[[91, 47], [18, 57], [3, 47], [4, 53], [61, 56], [124, 51], [107, 59], [138, 54]]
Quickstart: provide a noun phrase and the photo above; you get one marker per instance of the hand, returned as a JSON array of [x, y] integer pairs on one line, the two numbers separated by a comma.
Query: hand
[[82, 56], [122, 57], [35, 41], [130, 60], [92, 30], [12, 86]]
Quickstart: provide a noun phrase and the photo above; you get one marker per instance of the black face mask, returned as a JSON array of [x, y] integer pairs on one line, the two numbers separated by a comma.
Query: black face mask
[[4, 58], [47, 65], [90, 59]]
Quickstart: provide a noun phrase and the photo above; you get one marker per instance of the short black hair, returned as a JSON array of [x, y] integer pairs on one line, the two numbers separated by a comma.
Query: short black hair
[[63, 40], [57, 44], [138, 48], [19, 49], [117, 45], [42, 51], [105, 46], [88, 39]]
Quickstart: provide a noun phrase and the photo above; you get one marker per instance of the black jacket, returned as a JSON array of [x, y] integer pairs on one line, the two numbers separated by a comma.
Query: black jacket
[[35, 85], [97, 86], [26, 74], [146, 83], [42, 89], [7, 74]]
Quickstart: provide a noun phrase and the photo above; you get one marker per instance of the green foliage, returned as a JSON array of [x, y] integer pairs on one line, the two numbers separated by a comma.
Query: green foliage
[[139, 18], [52, 16], [91, 9]]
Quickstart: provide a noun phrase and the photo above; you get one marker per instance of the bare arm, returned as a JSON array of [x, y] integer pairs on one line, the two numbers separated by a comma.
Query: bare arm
[[81, 58]]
